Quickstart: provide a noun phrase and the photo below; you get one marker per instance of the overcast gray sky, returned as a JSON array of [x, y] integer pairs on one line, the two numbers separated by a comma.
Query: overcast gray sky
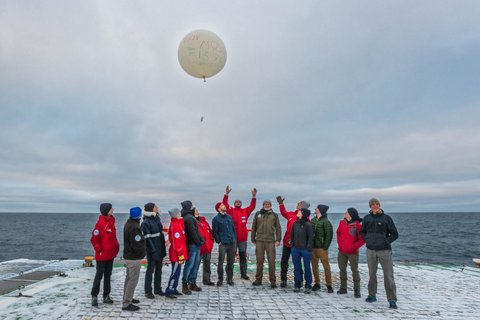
[[333, 102]]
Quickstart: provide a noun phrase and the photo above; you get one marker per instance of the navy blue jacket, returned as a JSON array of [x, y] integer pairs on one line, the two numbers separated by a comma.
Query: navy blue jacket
[[223, 229], [153, 232], [378, 231]]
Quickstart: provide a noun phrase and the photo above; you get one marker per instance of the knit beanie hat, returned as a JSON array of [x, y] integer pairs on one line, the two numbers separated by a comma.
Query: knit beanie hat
[[323, 209], [174, 213], [353, 214], [217, 206], [187, 205], [135, 213], [266, 201], [105, 208], [305, 213], [149, 207], [372, 201], [304, 204]]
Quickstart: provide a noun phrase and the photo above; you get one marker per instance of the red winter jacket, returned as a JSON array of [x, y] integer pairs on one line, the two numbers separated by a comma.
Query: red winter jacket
[[348, 237], [104, 239], [291, 217], [178, 240], [207, 234], [240, 217]]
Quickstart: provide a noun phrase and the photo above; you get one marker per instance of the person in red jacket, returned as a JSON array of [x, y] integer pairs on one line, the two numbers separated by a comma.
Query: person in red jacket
[[206, 248], [291, 217], [177, 252], [105, 244], [240, 217], [349, 241]]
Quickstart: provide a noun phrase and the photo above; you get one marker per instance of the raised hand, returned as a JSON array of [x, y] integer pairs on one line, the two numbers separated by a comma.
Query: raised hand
[[254, 192], [280, 200], [228, 189]]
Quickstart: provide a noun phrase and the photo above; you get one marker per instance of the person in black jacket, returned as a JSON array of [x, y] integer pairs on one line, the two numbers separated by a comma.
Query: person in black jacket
[[224, 234], [194, 241], [155, 240], [378, 231], [133, 253], [302, 242]]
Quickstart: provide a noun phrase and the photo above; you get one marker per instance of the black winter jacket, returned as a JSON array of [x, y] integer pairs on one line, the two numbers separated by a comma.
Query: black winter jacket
[[378, 231], [153, 232], [302, 234], [191, 228], [133, 240]]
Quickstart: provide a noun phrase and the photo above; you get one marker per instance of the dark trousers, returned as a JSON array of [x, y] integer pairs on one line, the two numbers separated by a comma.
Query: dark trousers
[[104, 269], [154, 268], [297, 256], [343, 260], [286, 251], [242, 254], [174, 277], [229, 250], [206, 269]]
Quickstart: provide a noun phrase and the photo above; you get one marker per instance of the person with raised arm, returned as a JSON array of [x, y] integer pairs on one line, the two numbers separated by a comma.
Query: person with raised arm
[[240, 218]]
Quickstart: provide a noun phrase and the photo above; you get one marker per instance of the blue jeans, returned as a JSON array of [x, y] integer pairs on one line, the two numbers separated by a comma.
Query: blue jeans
[[174, 276], [297, 256], [191, 265]]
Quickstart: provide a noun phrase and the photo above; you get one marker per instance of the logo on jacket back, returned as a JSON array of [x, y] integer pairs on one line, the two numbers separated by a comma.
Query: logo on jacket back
[[177, 235], [138, 238], [96, 232]]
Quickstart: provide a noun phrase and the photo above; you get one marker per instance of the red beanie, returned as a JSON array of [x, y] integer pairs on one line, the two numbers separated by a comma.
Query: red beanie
[[217, 206]]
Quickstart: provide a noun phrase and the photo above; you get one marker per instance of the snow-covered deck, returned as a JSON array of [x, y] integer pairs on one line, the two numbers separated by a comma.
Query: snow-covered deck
[[424, 292]]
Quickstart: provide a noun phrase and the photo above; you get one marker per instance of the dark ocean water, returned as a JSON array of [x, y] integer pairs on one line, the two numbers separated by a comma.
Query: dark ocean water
[[439, 238]]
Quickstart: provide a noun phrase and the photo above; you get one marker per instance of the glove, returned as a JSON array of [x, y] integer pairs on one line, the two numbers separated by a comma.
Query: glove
[[280, 200]]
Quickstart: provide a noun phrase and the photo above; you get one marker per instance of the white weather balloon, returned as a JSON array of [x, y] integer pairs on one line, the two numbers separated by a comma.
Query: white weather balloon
[[202, 54]]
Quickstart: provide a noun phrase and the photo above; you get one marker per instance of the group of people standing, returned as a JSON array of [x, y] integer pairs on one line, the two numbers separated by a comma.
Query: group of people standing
[[306, 240]]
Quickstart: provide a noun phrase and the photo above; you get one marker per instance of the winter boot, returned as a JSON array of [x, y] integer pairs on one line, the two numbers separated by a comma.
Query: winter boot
[[316, 287], [160, 293], [243, 272], [185, 289], [107, 300], [94, 302], [393, 304], [283, 283], [357, 294], [149, 295], [329, 289], [194, 287], [371, 299], [342, 291]]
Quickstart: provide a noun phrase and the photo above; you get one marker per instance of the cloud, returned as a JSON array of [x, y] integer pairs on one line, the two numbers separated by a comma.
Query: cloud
[[324, 101]]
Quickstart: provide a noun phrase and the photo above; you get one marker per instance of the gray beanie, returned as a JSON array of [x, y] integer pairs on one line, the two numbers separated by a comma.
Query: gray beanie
[[304, 204], [174, 213], [372, 201]]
